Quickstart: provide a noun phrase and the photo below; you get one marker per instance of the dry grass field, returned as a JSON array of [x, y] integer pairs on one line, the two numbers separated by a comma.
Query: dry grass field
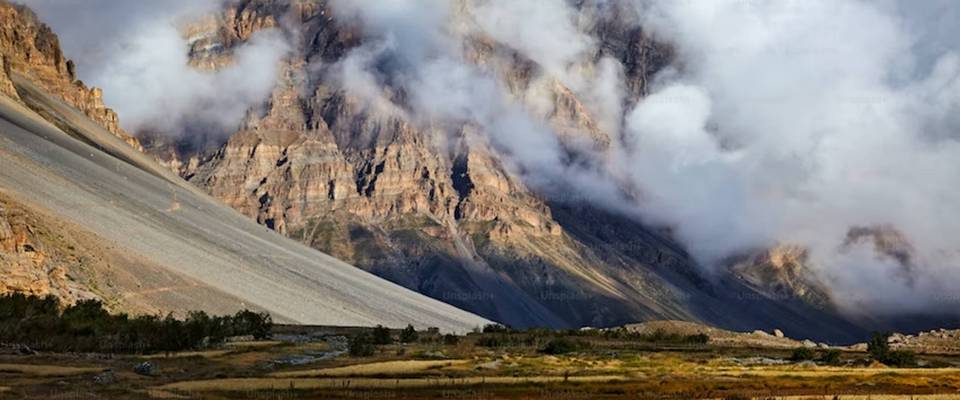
[[318, 367]]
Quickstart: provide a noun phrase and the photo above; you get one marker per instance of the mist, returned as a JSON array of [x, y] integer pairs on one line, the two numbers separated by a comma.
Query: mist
[[780, 123], [136, 53]]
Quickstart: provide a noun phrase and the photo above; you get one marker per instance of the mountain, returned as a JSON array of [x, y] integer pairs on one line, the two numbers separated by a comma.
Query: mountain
[[85, 214], [435, 207]]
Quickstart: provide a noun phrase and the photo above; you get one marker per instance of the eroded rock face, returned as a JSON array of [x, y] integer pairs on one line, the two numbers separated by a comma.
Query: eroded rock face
[[783, 272], [433, 206], [32, 50]]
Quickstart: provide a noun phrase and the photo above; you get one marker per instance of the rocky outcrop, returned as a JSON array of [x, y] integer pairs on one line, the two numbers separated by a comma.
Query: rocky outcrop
[[6, 85], [24, 258], [783, 272], [31, 49], [434, 207]]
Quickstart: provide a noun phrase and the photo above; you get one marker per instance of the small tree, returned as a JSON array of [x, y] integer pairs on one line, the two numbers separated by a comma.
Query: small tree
[[258, 325], [362, 345], [562, 346], [879, 349], [381, 335], [879, 346], [495, 328], [409, 335], [451, 340], [830, 357], [802, 354]]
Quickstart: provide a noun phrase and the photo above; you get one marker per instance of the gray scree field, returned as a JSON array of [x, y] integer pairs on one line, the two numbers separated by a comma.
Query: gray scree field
[[86, 176]]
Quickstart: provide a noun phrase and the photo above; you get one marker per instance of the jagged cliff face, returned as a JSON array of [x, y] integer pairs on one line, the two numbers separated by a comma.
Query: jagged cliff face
[[30, 49], [39, 255], [435, 208]]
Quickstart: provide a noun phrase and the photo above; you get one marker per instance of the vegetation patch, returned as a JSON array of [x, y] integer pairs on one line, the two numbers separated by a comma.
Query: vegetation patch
[[41, 324]]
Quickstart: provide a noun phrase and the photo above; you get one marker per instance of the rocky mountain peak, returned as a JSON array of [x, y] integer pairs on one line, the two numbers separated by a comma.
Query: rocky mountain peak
[[32, 51]]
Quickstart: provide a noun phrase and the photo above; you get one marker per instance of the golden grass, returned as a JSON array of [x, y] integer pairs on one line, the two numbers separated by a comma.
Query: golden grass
[[262, 343], [878, 397], [818, 372], [46, 370], [162, 394], [252, 384], [399, 368], [185, 354]]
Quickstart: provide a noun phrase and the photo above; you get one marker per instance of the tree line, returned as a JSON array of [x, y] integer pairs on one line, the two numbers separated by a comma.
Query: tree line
[[43, 324]]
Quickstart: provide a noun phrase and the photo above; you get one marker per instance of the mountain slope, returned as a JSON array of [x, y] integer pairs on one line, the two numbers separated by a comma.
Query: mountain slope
[[85, 214], [437, 208], [133, 204]]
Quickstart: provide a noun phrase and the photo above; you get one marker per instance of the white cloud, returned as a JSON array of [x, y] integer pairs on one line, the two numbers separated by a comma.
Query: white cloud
[[135, 52]]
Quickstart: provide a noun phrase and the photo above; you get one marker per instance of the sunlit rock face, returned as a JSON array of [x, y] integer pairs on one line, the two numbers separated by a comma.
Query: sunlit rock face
[[31, 50], [435, 206]]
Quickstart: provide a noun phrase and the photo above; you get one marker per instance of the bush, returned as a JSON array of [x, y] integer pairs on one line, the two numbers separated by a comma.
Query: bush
[[562, 346], [900, 358], [802, 354], [451, 340], [409, 335], [879, 346], [258, 325], [362, 345], [381, 336], [496, 328], [879, 349], [657, 336], [830, 357]]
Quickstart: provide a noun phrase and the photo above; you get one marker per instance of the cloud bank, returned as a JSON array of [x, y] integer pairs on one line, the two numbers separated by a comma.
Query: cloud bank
[[780, 122], [135, 52], [788, 122]]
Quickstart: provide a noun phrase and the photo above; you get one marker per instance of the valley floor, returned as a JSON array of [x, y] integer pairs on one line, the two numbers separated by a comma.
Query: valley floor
[[313, 363]]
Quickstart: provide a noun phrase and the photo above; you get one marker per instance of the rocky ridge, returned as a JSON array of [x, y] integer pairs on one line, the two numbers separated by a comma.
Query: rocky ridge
[[30, 48], [435, 208]]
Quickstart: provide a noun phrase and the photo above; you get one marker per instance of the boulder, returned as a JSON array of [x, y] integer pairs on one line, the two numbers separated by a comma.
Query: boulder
[[24, 350], [778, 333], [105, 378], [146, 368]]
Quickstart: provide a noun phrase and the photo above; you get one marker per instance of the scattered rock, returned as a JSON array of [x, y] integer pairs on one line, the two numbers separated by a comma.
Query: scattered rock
[[146, 368], [760, 332], [24, 350], [490, 365], [105, 378], [808, 343], [758, 361]]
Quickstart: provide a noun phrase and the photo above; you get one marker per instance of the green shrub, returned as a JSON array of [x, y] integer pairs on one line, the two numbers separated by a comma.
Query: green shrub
[[258, 325], [900, 358], [879, 346], [496, 328], [802, 354], [879, 349], [362, 345], [830, 357], [451, 340], [562, 346], [409, 335], [382, 336]]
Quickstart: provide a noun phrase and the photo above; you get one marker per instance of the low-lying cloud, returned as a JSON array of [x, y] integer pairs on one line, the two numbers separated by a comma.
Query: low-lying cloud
[[136, 52], [786, 122], [780, 122]]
